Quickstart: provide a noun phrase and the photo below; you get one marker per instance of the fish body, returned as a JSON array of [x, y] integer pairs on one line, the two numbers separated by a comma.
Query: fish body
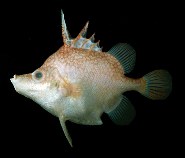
[[80, 82]]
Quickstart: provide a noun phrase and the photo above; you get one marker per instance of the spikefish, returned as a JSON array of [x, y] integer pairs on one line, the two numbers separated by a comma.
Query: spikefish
[[80, 82]]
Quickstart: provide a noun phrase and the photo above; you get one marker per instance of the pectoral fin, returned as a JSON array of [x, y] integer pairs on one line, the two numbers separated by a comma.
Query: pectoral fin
[[62, 122]]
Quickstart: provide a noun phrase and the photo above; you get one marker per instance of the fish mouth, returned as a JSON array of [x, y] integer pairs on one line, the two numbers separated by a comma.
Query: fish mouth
[[14, 78], [15, 81]]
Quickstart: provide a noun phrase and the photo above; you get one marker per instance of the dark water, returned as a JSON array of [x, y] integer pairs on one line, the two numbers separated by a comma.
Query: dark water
[[32, 32]]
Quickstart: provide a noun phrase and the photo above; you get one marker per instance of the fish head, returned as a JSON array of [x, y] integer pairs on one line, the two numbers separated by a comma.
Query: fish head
[[42, 86]]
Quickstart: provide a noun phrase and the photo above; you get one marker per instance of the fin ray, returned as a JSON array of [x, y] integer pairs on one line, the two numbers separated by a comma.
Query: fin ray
[[125, 54], [124, 113], [157, 85]]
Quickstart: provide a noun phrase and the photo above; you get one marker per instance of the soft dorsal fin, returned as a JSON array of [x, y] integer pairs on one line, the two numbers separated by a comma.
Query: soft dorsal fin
[[124, 113], [125, 54]]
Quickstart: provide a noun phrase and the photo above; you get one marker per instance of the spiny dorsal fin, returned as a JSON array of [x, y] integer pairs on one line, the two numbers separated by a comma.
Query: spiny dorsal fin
[[65, 33], [83, 32], [124, 113], [125, 54], [80, 41], [95, 46], [92, 37]]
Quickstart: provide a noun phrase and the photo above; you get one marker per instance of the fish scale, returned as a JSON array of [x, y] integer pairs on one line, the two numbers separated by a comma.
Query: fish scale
[[80, 82]]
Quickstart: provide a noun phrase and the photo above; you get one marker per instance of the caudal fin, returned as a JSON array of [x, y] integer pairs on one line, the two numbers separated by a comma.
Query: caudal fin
[[156, 85]]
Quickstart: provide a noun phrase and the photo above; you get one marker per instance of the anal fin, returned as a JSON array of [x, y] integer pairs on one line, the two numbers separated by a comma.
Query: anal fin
[[66, 133], [124, 113]]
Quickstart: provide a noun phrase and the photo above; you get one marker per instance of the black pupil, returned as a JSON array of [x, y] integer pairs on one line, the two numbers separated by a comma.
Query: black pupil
[[38, 75]]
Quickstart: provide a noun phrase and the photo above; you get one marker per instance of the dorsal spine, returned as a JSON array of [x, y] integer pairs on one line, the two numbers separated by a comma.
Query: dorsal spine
[[80, 41]]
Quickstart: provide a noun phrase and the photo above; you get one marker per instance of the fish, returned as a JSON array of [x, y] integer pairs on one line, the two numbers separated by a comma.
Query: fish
[[80, 82]]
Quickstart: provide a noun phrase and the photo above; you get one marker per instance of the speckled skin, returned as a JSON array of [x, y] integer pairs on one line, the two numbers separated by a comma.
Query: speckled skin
[[93, 80]]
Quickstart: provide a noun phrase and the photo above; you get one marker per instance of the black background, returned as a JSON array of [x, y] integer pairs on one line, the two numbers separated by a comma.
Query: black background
[[32, 32]]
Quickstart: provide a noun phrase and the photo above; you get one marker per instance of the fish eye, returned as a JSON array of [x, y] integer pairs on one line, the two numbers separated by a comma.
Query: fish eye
[[38, 75]]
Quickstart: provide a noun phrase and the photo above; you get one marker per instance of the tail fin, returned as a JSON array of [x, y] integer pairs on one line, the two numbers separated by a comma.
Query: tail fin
[[156, 85]]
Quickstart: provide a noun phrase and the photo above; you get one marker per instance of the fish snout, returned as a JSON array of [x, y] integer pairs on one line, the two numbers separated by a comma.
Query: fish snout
[[14, 78], [21, 78]]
